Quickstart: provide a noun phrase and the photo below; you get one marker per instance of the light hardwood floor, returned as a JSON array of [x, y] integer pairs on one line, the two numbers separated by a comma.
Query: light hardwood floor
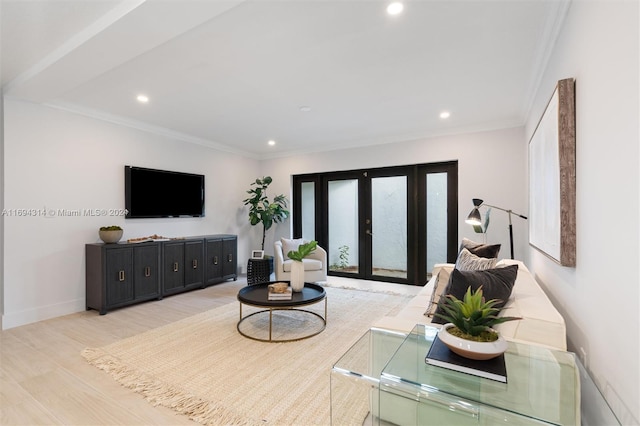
[[45, 381]]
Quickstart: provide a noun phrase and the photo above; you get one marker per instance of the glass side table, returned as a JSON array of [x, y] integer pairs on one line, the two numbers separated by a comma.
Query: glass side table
[[355, 377], [543, 387]]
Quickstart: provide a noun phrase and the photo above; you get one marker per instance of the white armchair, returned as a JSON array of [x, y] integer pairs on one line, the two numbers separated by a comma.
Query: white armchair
[[315, 265]]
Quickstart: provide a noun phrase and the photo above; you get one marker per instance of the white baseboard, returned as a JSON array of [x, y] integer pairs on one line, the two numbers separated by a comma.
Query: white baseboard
[[16, 319]]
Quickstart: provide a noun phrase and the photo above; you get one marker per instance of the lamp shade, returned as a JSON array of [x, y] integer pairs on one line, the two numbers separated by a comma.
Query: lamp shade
[[474, 217]]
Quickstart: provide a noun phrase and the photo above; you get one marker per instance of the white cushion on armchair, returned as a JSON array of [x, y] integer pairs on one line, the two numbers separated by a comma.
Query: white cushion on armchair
[[315, 265]]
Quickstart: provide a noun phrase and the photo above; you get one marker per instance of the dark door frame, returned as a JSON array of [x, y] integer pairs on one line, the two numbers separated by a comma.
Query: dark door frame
[[416, 214]]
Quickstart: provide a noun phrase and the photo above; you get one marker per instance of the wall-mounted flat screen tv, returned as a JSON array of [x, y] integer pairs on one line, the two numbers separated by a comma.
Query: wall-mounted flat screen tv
[[160, 193]]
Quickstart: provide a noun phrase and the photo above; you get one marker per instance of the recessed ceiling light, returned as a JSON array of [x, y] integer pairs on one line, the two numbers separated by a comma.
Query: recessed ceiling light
[[143, 99], [395, 8], [271, 142], [445, 114], [305, 108]]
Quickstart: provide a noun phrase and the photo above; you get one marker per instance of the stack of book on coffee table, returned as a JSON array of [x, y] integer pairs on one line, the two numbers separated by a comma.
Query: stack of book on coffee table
[[280, 291], [440, 355]]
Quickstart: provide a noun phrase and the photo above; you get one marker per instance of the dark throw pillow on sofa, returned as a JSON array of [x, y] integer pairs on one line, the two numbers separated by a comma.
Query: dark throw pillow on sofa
[[496, 284], [479, 249]]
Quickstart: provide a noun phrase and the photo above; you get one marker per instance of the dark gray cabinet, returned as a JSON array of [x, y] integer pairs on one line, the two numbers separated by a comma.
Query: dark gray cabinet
[[146, 274], [214, 260], [194, 264], [121, 274], [183, 267], [118, 275], [230, 251], [221, 258]]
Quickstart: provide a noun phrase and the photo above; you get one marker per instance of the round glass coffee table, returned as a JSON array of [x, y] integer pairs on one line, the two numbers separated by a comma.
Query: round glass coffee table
[[258, 296]]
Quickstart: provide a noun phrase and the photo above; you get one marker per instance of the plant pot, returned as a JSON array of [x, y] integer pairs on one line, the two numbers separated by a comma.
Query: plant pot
[[297, 276], [110, 236], [471, 349]]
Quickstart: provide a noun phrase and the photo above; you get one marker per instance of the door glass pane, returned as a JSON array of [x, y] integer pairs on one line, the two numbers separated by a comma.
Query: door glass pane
[[308, 210], [343, 226], [389, 226], [436, 237]]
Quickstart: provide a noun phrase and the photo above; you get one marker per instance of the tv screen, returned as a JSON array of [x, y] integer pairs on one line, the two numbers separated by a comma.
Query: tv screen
[[161, 193]]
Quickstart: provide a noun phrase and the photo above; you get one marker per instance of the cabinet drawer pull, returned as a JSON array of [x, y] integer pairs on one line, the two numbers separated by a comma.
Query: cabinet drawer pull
[[121, 275], [175, 266], [147, 271], [194, 263], [230, 257], [215, 260]]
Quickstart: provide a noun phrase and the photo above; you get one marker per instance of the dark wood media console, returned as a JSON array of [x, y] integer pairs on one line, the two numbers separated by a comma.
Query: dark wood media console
[[122, 274]]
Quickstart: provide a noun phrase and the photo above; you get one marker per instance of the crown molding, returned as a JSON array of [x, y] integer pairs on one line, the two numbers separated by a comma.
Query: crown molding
[[148, 128], [549, 38]]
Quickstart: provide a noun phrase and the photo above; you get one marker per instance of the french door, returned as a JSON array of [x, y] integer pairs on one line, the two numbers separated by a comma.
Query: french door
[[386, 224]]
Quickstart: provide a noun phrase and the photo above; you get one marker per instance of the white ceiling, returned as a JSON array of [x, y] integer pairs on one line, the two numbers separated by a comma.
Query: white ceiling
[[234, 74]]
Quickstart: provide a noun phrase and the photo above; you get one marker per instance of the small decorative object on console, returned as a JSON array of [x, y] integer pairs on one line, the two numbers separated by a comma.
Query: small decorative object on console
[[110, 234], [154, 237]]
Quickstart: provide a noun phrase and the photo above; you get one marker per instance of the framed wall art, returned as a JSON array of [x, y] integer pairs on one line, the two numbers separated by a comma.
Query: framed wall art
[[257, 254], [552, 178]]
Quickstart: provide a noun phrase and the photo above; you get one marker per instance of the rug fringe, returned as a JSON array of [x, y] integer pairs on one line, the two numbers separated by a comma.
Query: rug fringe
[[159, 393], [347, 287]]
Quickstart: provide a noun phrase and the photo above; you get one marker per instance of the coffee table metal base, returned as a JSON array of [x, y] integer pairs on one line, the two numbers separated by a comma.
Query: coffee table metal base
[[258, 296], [283, 308]]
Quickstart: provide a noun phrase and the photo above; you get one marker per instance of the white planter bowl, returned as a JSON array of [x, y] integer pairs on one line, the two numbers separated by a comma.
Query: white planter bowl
[[470, 349], [110, 237]]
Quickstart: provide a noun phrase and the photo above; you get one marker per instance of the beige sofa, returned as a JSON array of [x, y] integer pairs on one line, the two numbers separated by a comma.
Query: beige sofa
[[541, 323]]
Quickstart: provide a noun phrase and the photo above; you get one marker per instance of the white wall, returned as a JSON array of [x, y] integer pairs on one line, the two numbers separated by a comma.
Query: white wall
[[600, 298], [491, 166], [58, 160]]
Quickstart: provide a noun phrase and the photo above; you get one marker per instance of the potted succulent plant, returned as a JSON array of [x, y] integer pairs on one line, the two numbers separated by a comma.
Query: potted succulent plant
[[110, 234], [469, 331], [297, 267]]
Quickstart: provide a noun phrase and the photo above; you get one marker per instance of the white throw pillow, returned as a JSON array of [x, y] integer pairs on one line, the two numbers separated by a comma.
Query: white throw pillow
[[439, 287], [468, 261], [290, 245]]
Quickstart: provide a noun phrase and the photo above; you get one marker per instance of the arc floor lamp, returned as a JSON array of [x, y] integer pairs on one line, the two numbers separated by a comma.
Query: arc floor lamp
[[475, 218]]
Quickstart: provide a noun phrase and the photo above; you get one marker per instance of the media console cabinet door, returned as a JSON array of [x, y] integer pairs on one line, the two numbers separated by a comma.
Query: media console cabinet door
[[173, 267], [119, 276], [230, 248], [193, 263], [146, 261], [214, 261]]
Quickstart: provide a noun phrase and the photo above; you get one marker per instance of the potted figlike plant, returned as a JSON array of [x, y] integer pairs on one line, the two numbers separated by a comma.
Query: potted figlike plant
[[110, 234], [262, 210], [297, 267], [469, 331]]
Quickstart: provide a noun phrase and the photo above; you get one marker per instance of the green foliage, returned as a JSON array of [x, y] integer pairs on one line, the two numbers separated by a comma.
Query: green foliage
[[110, 228], [303, 251], [472, 315], [343, 256], [261, 210]]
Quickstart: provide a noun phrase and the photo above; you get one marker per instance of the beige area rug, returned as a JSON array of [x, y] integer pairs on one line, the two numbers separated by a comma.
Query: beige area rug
[[203, 368]]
